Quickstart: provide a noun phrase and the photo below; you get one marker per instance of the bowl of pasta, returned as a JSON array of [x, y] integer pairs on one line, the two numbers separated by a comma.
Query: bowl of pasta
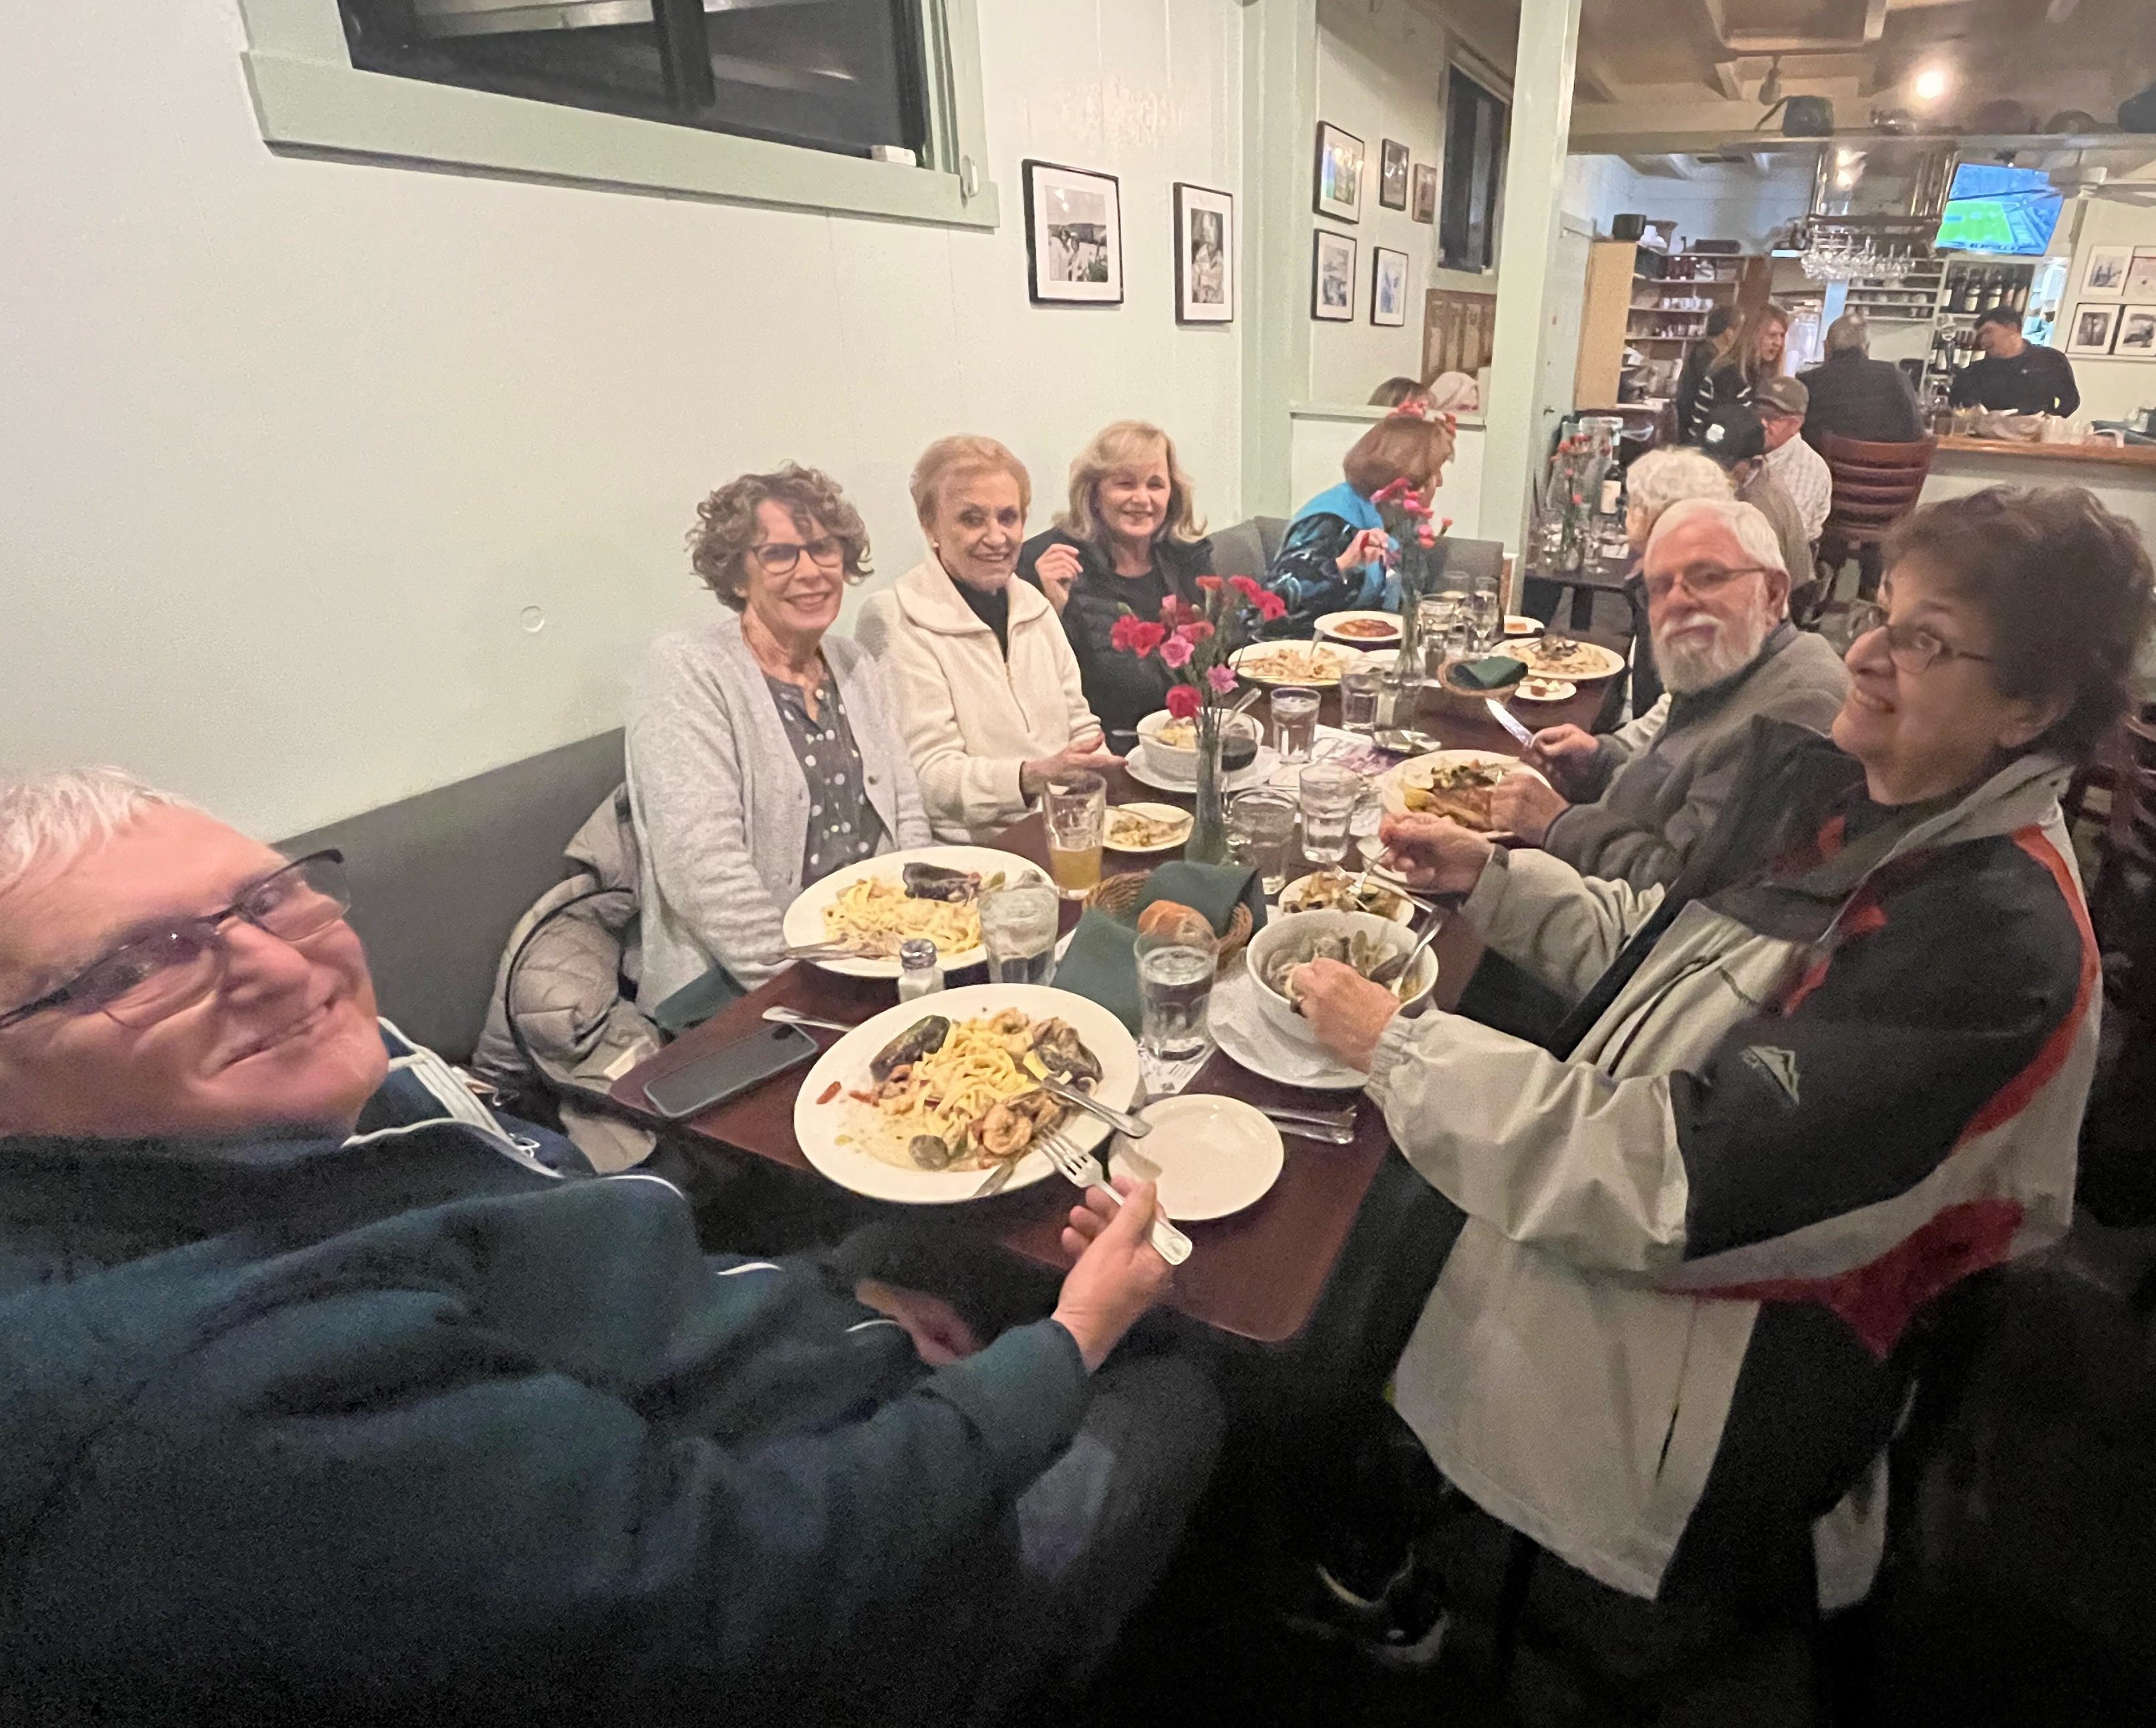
[[927, 1101], [873, 906]]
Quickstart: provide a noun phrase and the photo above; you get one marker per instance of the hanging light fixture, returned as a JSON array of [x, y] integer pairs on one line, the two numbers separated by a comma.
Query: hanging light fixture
[[1770, 86]]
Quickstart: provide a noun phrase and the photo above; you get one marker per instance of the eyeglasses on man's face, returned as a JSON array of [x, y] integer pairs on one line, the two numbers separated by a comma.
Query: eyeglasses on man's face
[[1701, 579], [779, 557], [161, 970], [1914, 649]]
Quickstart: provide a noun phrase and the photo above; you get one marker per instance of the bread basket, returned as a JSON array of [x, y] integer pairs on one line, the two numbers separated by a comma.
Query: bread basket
[[1118, 897]]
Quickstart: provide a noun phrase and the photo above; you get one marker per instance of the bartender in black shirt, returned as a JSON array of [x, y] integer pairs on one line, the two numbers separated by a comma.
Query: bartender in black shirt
[[2015, 377]]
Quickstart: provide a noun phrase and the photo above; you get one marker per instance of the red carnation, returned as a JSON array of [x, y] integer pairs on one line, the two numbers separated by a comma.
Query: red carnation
[[1183, 700], [1211, 584], [1246, 586], [1270, 605]]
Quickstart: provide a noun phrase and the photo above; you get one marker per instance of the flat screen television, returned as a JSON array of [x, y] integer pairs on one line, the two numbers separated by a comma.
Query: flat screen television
[[1994, 208]]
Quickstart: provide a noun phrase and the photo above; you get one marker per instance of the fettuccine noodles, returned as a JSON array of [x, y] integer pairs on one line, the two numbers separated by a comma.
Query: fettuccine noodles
[[875, 913]]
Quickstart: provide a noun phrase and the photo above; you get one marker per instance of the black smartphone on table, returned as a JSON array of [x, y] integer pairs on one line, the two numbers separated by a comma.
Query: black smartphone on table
[[729, 1071]]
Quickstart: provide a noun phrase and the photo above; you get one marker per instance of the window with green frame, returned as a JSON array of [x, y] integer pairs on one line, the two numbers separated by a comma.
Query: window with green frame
[[868, 106]]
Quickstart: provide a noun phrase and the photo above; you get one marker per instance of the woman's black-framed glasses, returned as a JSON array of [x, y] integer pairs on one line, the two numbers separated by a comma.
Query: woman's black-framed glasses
[[1913, 649], [156, 973], [778, 557]]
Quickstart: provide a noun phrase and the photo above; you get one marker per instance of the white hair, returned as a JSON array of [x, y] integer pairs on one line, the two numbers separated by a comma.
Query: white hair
[[1747, 525], [68, 810], [1662, 478]]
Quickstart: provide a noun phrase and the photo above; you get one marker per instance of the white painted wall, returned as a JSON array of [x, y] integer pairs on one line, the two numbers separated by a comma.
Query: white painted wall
[[2110, 389], [1381, 74], [292, 446], [1323, 436], [1719, 203]]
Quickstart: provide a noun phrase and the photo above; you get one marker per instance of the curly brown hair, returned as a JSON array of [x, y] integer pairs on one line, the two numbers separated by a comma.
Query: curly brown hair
[[2067, 585], [726, 526]]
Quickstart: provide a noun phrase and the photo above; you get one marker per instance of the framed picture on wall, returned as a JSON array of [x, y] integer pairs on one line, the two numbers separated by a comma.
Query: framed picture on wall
[[2136, 334], [1425, 191], [2141, 275], [1393, 175], [1339, 193], [1389, 286], [1204, 255], [1073, 235], [2104, 277], [1332, 277], [2094, 325]]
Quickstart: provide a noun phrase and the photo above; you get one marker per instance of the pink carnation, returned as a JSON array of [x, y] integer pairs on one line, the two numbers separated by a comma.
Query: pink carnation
[[1221, 678], [1176, 651]]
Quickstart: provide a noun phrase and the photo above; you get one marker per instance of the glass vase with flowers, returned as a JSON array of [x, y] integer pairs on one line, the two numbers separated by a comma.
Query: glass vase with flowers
[[1419, 535], [1195, 645]]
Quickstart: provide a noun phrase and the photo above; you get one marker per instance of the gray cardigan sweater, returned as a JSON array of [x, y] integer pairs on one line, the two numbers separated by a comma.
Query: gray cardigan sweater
[[1660, 781], [721, 802]]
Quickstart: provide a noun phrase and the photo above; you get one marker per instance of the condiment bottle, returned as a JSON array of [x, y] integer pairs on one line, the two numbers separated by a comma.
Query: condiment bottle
[[920, 968]]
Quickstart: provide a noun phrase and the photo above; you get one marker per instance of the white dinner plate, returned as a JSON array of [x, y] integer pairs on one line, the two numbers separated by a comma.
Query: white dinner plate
[[1545, 689], [1317, 666], [1239, 1026], [1586, 662], [1340, 627], [1519, 624], [818, 1127], [1183, 820], [1380, 657], [1210, 1155], [804, 918], [1141, 767], [1416, 769]]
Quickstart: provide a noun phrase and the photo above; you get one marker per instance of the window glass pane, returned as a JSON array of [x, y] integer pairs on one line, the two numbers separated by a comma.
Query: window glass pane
[[831, 74]]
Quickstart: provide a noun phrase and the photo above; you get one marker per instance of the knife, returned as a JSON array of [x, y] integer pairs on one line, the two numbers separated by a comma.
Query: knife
[[1503, 715]]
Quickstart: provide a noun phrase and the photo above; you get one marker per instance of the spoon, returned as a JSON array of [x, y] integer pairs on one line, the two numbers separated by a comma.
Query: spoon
[[1392, 970], [789, 1017]]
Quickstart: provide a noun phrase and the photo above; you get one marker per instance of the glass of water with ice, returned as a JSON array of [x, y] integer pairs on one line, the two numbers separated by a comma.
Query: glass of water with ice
[[1329, 795], [1175, 992], [1018, 928]]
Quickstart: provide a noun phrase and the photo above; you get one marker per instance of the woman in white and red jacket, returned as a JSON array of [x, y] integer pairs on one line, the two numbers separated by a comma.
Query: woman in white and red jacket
[[1838, 1065]]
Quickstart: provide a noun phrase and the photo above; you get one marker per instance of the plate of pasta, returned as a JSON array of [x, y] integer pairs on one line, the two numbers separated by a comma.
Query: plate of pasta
[[873, 906], [923, 1102], [1318, 664]]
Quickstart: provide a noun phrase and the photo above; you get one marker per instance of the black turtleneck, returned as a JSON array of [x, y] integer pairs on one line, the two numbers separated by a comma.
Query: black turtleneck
[[992, 609]]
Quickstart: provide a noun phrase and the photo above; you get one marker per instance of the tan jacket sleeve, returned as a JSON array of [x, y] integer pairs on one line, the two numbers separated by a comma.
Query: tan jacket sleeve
[[1543, 916]]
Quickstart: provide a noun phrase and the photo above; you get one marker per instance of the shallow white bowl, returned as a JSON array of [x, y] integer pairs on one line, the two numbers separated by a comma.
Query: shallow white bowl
[[1179, 762], [1292, 928]]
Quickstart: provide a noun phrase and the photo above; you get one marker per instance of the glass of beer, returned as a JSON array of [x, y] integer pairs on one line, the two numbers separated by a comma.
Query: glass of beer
[[1295, 722], [1075, 809]]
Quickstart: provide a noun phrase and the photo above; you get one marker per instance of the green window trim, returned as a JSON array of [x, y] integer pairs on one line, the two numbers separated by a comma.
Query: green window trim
[[310, 100]]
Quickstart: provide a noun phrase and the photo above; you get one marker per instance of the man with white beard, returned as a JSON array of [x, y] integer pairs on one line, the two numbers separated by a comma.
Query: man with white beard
[[1632, 805]]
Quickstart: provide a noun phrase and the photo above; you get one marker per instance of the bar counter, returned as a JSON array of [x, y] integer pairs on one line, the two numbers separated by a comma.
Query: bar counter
[[2124, 480]]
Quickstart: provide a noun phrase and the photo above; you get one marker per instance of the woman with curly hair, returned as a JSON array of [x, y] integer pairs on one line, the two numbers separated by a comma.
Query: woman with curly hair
[[762, 755], [1130, 540]]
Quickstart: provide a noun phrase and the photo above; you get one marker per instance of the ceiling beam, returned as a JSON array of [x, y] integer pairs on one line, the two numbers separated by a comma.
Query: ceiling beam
[[1594, 77], [1875, 18], [1722, 75]]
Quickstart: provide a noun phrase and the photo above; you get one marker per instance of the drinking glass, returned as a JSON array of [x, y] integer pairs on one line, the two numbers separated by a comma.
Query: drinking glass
[[1018, 928], [1328, 796], [1175, 993], [1260, 824], [1295, 722], [1358, 697], [1076, 811], [1485, 617]]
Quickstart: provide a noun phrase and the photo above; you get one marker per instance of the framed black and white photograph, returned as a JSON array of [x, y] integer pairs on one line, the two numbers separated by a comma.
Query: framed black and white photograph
[[1389, 286], [1339, 191], [2136, 334], [2092, 328], [2104, 278], [2141, 275], [1393, 175], [1332, 277], [1425, 192], [1204, 254], [1073, 235]]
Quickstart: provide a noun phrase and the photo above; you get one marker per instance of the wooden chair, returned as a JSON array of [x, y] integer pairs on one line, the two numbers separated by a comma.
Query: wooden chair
[[1875, 486]]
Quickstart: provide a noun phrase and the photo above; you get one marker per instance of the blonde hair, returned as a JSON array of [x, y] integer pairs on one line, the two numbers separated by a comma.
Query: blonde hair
[[68, 811], [1747, 354], [963, 453], [1116, 446], [1400, 447]]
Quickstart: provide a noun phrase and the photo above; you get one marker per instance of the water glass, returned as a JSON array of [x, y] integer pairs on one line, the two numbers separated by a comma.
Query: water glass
[[1175, 994], [1018, 928], [1075, 809], [1260, 826], [1295, 722], [1485, 617], [1328, 796], [1358, 697]]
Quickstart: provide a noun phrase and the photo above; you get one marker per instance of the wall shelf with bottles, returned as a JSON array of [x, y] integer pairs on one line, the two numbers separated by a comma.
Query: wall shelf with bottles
[[1971, 289]]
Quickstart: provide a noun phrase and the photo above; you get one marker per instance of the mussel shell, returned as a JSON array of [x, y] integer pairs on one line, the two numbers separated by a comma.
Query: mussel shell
[[932, 1152], [933, 881], [1063, 1053], [922, 1039]]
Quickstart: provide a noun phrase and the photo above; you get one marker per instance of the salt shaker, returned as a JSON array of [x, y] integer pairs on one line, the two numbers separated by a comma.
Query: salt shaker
[[920, 968]]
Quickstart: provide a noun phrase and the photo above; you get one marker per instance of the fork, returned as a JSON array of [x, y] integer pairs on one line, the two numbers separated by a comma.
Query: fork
[[1170, 1244]]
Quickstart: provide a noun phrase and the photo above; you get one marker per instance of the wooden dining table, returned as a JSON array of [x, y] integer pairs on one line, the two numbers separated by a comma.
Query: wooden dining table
[[1256, 1273]]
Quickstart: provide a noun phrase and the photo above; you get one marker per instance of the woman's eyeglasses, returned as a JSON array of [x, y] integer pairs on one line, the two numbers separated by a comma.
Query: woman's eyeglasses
[[778, 557], [1913, 649], [153, 975]]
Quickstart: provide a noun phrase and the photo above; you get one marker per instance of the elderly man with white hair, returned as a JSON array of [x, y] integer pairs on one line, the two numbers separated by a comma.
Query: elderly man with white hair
[[331, 1396], [1633, 805]]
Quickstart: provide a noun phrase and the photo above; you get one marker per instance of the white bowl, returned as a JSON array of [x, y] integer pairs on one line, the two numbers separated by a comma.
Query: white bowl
[[1179, 762], [1293, 927]]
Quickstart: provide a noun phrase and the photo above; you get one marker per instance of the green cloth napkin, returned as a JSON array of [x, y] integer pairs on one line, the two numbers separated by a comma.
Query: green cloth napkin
[[1100, 964], [1486, 674]]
